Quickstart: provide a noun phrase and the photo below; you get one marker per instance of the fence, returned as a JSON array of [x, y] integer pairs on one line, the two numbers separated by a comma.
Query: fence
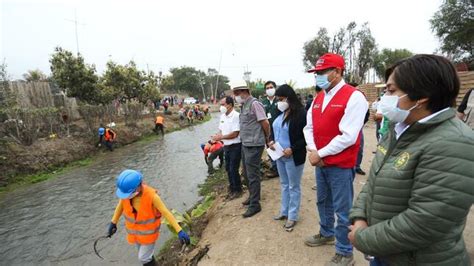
[[466, 78]]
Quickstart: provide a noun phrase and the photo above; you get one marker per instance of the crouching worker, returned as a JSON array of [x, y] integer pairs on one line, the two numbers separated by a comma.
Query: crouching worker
[[107, 137], [159, 125], [212, 150], [142, 209]]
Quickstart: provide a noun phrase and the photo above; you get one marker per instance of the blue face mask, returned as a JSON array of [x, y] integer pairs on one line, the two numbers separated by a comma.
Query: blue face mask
[[322, 82]]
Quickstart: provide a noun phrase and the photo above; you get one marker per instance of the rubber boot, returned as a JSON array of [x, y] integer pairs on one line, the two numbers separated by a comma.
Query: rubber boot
[[152, 262]]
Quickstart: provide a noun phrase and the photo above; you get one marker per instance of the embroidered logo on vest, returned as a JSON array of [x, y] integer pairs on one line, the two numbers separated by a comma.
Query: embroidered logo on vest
[[401, 161]]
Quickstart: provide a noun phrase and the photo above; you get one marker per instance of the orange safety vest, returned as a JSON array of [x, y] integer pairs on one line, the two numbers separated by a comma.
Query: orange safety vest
[[108, 135], [159, 120], [143, 226]]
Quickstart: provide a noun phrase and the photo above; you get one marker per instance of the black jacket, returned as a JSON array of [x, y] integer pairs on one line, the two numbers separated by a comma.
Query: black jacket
[[298, 143]]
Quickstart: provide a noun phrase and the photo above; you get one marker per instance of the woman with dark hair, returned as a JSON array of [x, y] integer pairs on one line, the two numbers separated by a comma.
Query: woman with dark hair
[[413, 209], [288, 132]]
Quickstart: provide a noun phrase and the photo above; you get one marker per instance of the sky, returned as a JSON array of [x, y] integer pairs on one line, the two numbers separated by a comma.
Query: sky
[[267, 37]]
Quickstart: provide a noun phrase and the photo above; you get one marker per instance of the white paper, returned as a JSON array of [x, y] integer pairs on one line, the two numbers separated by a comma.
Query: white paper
[[277, 153]]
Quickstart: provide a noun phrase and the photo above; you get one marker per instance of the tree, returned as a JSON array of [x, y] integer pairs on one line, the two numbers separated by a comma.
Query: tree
[[315, 48], [453, 24], [366, 54], [73, 76], [35, 75], [186, 79], [127, 82], [388, 57]]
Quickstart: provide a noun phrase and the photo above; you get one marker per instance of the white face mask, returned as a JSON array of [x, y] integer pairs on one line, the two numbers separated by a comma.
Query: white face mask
[[239, 99], [223, 109], [282, 106], [389, 107], [271, 92]]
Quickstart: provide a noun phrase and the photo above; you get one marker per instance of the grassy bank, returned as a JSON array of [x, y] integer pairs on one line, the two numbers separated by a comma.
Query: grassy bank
[[23, 180], [171, 253], [54, 171]]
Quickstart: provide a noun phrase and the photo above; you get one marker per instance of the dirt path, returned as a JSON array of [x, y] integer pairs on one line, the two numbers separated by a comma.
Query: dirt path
[[262, 241]]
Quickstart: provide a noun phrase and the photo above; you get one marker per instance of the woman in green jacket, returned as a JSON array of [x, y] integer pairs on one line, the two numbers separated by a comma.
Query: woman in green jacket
[[420, 189]]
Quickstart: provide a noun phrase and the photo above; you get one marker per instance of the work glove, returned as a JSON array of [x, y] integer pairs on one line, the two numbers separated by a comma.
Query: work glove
[[112, 229], [184, 238]]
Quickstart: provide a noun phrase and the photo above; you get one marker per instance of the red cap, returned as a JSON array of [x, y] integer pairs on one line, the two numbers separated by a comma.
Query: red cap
[[328, 60]]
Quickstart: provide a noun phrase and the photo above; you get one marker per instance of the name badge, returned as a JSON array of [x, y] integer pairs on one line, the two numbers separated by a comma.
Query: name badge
[[337, 105], [269, 116]]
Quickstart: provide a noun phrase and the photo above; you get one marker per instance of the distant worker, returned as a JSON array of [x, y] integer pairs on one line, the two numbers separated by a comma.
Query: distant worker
[[107, 137], [159, 125], [142, 209]]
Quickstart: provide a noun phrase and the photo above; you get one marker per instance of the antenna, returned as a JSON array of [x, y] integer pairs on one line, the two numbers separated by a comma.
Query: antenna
[[75, 25]]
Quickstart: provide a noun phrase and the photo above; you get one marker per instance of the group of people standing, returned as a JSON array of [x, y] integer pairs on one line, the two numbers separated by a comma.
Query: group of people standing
[[420, 188], [418, 194]]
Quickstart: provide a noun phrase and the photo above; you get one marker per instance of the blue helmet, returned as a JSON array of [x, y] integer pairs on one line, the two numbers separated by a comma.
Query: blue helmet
[[101, 131], [202, 146], [127, 183]]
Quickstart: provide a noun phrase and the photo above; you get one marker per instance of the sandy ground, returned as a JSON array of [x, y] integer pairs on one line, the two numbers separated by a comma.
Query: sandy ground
[[260, 240]]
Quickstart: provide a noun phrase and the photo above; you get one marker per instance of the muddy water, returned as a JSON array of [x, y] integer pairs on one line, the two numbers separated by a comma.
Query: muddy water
[[55, 222]]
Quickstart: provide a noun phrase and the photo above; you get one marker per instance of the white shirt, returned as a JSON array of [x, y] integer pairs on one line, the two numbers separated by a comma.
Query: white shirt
[[228, 124], [402, 127], [350, 125]]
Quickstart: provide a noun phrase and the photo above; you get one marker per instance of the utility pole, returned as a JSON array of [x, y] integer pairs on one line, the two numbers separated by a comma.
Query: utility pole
[[75, 25], [218, 74]]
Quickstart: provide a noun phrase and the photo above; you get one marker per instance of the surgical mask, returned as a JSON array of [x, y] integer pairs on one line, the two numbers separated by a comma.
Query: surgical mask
[[239, 99], [282, 106], [323, 82], [389, 108], [223, 109], [271, 92]]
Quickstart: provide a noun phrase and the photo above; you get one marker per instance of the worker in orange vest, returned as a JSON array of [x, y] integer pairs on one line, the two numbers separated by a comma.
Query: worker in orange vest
[[106, 136], [159, 125], [212, 150], [142, 209]]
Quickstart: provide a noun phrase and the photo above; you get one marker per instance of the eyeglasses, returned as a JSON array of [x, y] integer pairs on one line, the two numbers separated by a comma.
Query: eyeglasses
[[269, 88]]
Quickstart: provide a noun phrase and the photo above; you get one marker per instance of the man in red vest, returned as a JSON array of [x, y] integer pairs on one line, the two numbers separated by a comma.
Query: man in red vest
[[332, 135]]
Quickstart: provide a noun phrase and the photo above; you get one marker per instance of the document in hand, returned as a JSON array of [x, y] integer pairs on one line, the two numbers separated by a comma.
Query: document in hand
[[277, 153]]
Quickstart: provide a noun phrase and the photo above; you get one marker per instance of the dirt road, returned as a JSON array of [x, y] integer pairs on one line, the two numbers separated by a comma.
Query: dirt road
[[262, 241]]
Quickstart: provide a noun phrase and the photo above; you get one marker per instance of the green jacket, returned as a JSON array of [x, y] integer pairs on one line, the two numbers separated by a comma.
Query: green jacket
[[418, 195], [271, 108]]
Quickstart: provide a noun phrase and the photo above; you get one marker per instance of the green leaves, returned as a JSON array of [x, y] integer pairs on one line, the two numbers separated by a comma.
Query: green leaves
[[453, 24]]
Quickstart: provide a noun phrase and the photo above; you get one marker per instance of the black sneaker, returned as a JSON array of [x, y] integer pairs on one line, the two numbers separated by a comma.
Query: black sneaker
[[251, 212], [360, 171]]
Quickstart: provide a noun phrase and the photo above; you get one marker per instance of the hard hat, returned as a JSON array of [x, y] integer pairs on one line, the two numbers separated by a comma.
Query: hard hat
[[101, 131], [127, 183], [239, 85]]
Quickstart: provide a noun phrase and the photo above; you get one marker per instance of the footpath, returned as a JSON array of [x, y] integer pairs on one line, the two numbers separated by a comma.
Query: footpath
[[259, 240]]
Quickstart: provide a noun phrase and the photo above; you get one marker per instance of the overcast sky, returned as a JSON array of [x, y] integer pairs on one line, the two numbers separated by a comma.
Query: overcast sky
[[266, 36]]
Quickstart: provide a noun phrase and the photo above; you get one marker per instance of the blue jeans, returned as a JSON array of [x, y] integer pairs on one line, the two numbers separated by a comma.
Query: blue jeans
[[377, 262], [334, 196], [290, 183], [361, 150], [233, 154]]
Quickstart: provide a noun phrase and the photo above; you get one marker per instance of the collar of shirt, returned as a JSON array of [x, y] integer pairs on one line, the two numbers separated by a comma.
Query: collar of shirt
[[402, 127], [336, 88], [271, 100], [231, 114]]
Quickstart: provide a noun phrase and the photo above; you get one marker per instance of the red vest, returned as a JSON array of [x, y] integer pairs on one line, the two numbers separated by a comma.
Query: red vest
[[326, 127]]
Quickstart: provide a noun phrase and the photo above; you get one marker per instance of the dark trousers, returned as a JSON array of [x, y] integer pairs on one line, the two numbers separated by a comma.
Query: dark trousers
[[159, 127], [109, 145], [212, 156], [232, 155], [361, 151], [252, 158]]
